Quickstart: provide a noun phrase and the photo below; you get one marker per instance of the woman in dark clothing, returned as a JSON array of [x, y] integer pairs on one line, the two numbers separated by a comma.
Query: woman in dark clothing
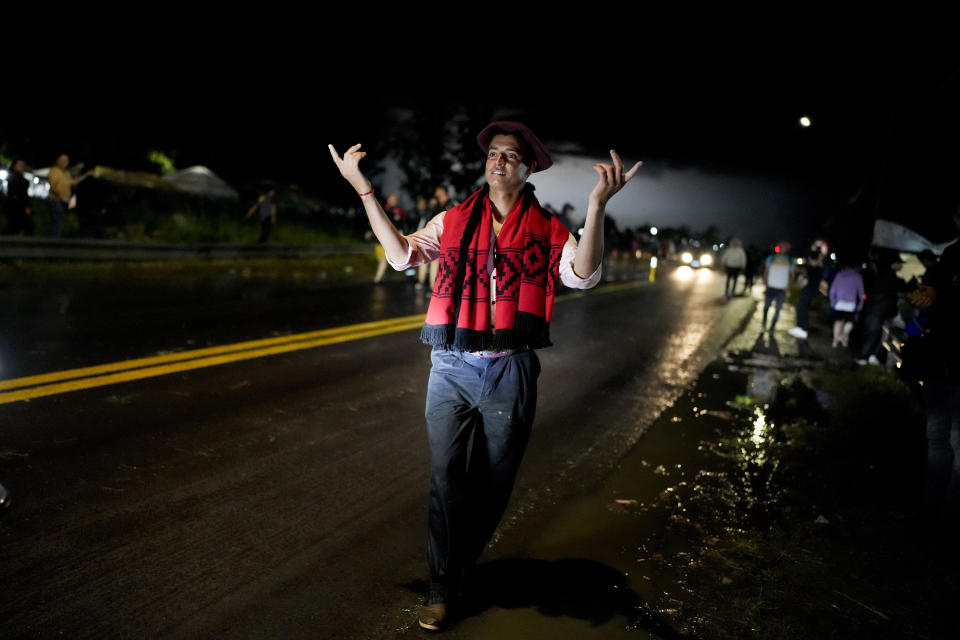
[[883, 293], [17, 205]]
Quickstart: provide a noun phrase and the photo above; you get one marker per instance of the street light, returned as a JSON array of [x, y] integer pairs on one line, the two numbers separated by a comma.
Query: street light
[[654, 231], [805, 121]]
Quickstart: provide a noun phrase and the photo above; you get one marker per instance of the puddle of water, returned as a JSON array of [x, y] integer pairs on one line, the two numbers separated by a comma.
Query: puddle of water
[[639, 522]]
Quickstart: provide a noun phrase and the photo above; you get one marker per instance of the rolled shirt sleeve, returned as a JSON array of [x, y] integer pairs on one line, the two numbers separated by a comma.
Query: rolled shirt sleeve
[[423, 245], [568, 276]]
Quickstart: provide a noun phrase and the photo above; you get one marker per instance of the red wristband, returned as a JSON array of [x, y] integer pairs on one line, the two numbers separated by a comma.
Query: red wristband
[[367, 193]]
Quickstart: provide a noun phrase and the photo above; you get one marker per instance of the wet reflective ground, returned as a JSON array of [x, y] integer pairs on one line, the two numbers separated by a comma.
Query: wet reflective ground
[[767, 502], [274, 497]]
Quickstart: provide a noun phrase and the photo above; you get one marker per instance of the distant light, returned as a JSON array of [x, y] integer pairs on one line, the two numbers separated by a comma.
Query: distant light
[[686, 257], [654, 231], [653, 262], [3, 174], [695, 243], [799, 260], [580, 231], [639, 254], [716, 247], [776, 249], [805, 121], [833, 256], [36, 180], [706, 259]]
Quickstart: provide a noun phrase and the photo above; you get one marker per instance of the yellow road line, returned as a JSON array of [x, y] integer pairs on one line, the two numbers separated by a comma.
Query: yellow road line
[[47, 384], [412, 322], [69, 374]]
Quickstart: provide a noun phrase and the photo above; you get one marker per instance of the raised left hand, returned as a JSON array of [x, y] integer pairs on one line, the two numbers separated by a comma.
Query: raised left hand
[[611, 179]]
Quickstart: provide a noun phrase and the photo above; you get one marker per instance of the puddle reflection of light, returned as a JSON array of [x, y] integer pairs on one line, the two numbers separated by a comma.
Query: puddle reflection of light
[[759, 428], [683, 273], [704, 274]]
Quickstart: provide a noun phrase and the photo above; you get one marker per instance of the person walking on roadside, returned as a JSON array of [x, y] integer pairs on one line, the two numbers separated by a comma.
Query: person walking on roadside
[[846, 296], [812, 275], [776, 276], [734, 261], [501, 257]]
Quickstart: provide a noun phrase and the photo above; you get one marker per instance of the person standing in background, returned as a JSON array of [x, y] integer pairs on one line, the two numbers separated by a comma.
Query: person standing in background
[[734, 261], [750, 271], [61, 196], [17, 205], [846, 296], [266, 206], [883, 293], [422, 214], [813, 274], [939, 298], [776, 276]]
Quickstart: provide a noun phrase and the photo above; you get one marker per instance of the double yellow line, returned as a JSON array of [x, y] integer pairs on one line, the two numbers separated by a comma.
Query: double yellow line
[[48, 384]]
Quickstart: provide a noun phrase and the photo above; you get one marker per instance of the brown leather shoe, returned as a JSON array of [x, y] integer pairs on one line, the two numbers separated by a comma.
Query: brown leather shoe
[[431, 616]]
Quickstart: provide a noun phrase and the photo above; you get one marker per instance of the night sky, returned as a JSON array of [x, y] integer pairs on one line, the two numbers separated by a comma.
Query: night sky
[[882, 142]]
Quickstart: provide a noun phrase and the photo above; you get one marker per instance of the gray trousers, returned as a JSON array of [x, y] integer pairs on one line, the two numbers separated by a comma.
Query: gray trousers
[[494, 401]]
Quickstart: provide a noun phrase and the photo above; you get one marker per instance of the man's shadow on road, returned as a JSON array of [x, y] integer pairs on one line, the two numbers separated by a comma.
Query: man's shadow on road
[[576, 588]]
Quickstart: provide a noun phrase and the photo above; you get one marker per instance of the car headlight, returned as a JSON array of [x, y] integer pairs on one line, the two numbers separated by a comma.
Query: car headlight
[[686, 257], [706, 259]]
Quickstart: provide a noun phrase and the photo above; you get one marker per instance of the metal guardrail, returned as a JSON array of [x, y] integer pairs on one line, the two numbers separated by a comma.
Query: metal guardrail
[[21, 248]]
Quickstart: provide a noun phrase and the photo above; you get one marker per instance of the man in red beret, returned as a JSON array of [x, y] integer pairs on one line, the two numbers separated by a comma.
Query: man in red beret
[[501, 256]]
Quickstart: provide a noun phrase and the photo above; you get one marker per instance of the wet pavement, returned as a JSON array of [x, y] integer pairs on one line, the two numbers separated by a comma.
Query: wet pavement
[[278, 497], [776, 498]]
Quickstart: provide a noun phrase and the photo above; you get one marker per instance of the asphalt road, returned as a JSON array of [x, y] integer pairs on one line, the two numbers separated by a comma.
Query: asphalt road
[[285, 495]]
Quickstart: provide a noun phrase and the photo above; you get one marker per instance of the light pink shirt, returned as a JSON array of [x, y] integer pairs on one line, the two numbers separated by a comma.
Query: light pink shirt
[[424, 247]]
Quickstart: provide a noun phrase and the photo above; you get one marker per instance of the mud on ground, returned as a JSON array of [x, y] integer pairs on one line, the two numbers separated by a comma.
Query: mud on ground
[[799, 517]]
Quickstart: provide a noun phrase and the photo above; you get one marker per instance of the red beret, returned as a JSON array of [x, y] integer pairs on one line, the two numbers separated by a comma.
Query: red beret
[[539, 150]]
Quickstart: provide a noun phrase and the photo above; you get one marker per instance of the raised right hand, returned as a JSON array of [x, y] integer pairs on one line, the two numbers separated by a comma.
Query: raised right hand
[[349, 167]]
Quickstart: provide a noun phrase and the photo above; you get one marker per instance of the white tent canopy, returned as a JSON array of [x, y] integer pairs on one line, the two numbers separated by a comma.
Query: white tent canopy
[[201, 181], [891, 235]]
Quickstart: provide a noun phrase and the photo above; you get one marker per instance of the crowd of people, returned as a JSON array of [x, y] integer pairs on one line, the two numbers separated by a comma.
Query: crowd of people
[[861, 299], [18, 205]]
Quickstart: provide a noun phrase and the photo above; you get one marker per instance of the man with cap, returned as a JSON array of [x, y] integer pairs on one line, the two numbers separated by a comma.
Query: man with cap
[[501, 256]]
